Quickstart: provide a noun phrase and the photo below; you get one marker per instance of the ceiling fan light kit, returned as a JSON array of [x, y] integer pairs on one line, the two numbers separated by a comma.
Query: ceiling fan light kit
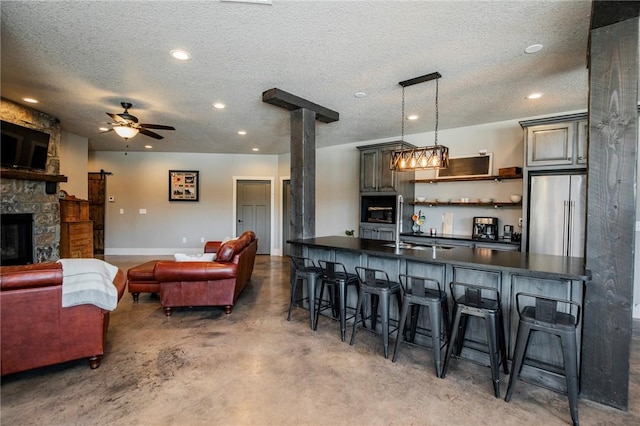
[[125, 132], [425, 158]]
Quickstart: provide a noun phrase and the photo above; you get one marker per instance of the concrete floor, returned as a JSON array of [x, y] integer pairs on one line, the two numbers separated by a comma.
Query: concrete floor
[[253, 367]]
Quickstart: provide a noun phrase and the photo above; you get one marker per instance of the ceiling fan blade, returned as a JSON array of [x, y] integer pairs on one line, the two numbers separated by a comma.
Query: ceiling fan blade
[[117, 118], [150, 133], [106, 131], [155, 126], [128, 117]]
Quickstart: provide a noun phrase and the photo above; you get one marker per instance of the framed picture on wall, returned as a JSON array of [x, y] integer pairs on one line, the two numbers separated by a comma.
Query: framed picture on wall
[[184, 185]]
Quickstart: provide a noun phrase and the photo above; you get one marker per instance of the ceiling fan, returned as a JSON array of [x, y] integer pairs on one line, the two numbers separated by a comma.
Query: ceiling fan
[[127, 126]]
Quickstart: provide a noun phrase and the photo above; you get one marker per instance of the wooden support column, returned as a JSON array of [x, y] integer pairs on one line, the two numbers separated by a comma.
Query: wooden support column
[[613, 146], [303, 173], [303, 158]]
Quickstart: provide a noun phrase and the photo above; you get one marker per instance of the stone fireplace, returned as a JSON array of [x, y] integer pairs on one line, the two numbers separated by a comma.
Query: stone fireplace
[[31, 193]]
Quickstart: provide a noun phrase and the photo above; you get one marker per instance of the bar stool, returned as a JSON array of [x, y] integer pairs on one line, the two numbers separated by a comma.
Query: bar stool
[[336, 277], [375, 282], [471, 303], [305, 269], [546, 317], [417, 292]]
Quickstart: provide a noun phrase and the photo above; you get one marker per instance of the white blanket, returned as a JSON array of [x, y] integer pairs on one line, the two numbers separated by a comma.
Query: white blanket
[[88, 281]]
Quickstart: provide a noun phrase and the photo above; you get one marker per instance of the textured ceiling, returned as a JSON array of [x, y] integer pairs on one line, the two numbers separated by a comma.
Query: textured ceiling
[[82, 58]]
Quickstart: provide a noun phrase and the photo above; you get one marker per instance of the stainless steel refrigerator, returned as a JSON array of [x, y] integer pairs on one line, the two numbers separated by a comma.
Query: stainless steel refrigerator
[[557, 214]]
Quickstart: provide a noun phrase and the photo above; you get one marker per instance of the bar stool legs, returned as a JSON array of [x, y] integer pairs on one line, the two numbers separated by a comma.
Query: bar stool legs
[[544, 317], [304, 269], [334, 275], [473, 304], [418, 292], [375, 282]]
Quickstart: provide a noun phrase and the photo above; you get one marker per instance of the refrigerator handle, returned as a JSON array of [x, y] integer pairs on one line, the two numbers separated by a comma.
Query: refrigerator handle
[[572, 208], [565, 227]]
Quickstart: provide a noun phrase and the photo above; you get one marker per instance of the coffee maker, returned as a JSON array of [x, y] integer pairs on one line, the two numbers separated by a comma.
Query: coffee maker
[[485, 228]]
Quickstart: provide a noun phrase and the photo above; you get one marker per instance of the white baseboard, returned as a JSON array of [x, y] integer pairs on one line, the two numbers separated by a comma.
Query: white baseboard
[[150, 251]]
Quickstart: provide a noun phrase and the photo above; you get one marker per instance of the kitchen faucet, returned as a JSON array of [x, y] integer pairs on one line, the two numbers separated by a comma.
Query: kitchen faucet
[[399, 220]]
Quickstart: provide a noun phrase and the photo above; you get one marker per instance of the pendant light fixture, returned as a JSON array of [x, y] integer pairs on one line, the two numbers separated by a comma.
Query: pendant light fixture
[[425, 158]]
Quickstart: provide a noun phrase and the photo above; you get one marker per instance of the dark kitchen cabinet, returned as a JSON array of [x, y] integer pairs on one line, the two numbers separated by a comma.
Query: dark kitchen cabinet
[[378, 232], [378, 183], [557, 142], [375, 175]]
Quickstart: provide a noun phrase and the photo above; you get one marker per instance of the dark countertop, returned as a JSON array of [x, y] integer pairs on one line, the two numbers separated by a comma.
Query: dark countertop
[[538, 265], [459, 238]]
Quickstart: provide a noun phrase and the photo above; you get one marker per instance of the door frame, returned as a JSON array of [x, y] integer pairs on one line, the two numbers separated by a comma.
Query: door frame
[[281, 250], [234, 210]]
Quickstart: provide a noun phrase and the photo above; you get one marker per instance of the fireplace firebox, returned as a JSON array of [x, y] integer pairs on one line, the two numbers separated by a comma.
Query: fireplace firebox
[[16, 239]]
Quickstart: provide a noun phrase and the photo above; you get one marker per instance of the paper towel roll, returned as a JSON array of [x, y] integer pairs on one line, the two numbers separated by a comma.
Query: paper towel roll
[[447, 223]]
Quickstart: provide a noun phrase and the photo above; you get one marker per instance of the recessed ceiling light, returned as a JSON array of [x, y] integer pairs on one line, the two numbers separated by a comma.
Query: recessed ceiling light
[[103, 129], [148, 146], [30, 100], [359, 94], [218, 105], [180, 54], [242, 132], [255, 149], [533, 48], [412, 117], [534, 96]]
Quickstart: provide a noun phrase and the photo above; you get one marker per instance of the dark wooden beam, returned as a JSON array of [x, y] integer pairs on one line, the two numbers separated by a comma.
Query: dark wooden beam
[[291, 102], [611, 204], [609, 12]]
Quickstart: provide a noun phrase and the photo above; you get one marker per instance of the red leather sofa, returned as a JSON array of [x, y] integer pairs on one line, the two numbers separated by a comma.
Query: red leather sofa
[[216, 283], [36, 331]]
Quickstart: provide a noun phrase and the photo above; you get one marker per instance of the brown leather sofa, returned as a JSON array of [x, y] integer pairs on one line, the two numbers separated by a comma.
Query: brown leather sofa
[[36, 331], [216, 283]]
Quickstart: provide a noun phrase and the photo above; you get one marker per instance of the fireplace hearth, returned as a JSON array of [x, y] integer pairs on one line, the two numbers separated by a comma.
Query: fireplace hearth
[[16, 247]]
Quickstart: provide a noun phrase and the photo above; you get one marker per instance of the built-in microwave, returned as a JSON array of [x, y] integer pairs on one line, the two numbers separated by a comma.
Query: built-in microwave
[[378, 209], [379, 214]]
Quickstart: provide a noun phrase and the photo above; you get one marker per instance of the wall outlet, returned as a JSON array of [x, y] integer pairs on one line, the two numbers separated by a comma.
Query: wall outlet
[[142, 211], [121, 211], [202, 239], [520, 222], [184, 239]]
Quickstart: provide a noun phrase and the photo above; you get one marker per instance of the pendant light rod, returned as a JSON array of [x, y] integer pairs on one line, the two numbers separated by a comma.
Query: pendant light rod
[[421, 79]]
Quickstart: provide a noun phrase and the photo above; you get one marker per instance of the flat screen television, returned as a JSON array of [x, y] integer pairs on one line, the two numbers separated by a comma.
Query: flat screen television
[[22, 147]]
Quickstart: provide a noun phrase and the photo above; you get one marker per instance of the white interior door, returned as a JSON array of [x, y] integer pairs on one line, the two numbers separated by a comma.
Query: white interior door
[[253, 211]]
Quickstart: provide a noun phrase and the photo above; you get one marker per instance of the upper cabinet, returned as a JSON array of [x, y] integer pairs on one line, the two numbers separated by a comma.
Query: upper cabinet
[[558, 142], [375, 175]]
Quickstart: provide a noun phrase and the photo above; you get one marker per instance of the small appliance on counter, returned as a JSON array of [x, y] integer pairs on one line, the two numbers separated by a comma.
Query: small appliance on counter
[[508, 232], [485, 228]]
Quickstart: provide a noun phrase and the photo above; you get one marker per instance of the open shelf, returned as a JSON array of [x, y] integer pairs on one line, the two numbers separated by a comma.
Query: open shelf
[[467, 179], [495, 204]]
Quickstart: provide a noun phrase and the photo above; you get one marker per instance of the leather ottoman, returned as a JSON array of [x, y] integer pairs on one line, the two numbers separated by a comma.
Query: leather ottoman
[[141, 280]]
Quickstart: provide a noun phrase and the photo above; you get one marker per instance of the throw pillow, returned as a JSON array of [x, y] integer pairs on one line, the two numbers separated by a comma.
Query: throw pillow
[[200, 257]]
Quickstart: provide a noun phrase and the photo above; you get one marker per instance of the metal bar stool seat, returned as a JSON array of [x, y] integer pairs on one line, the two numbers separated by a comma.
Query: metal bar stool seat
[[336, 277], [304, 269], [472, 303], [546, 317], [417, 292], [375, 282]]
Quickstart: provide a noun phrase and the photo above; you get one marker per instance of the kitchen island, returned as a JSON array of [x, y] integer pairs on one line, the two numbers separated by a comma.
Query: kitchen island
[[507, 271]]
